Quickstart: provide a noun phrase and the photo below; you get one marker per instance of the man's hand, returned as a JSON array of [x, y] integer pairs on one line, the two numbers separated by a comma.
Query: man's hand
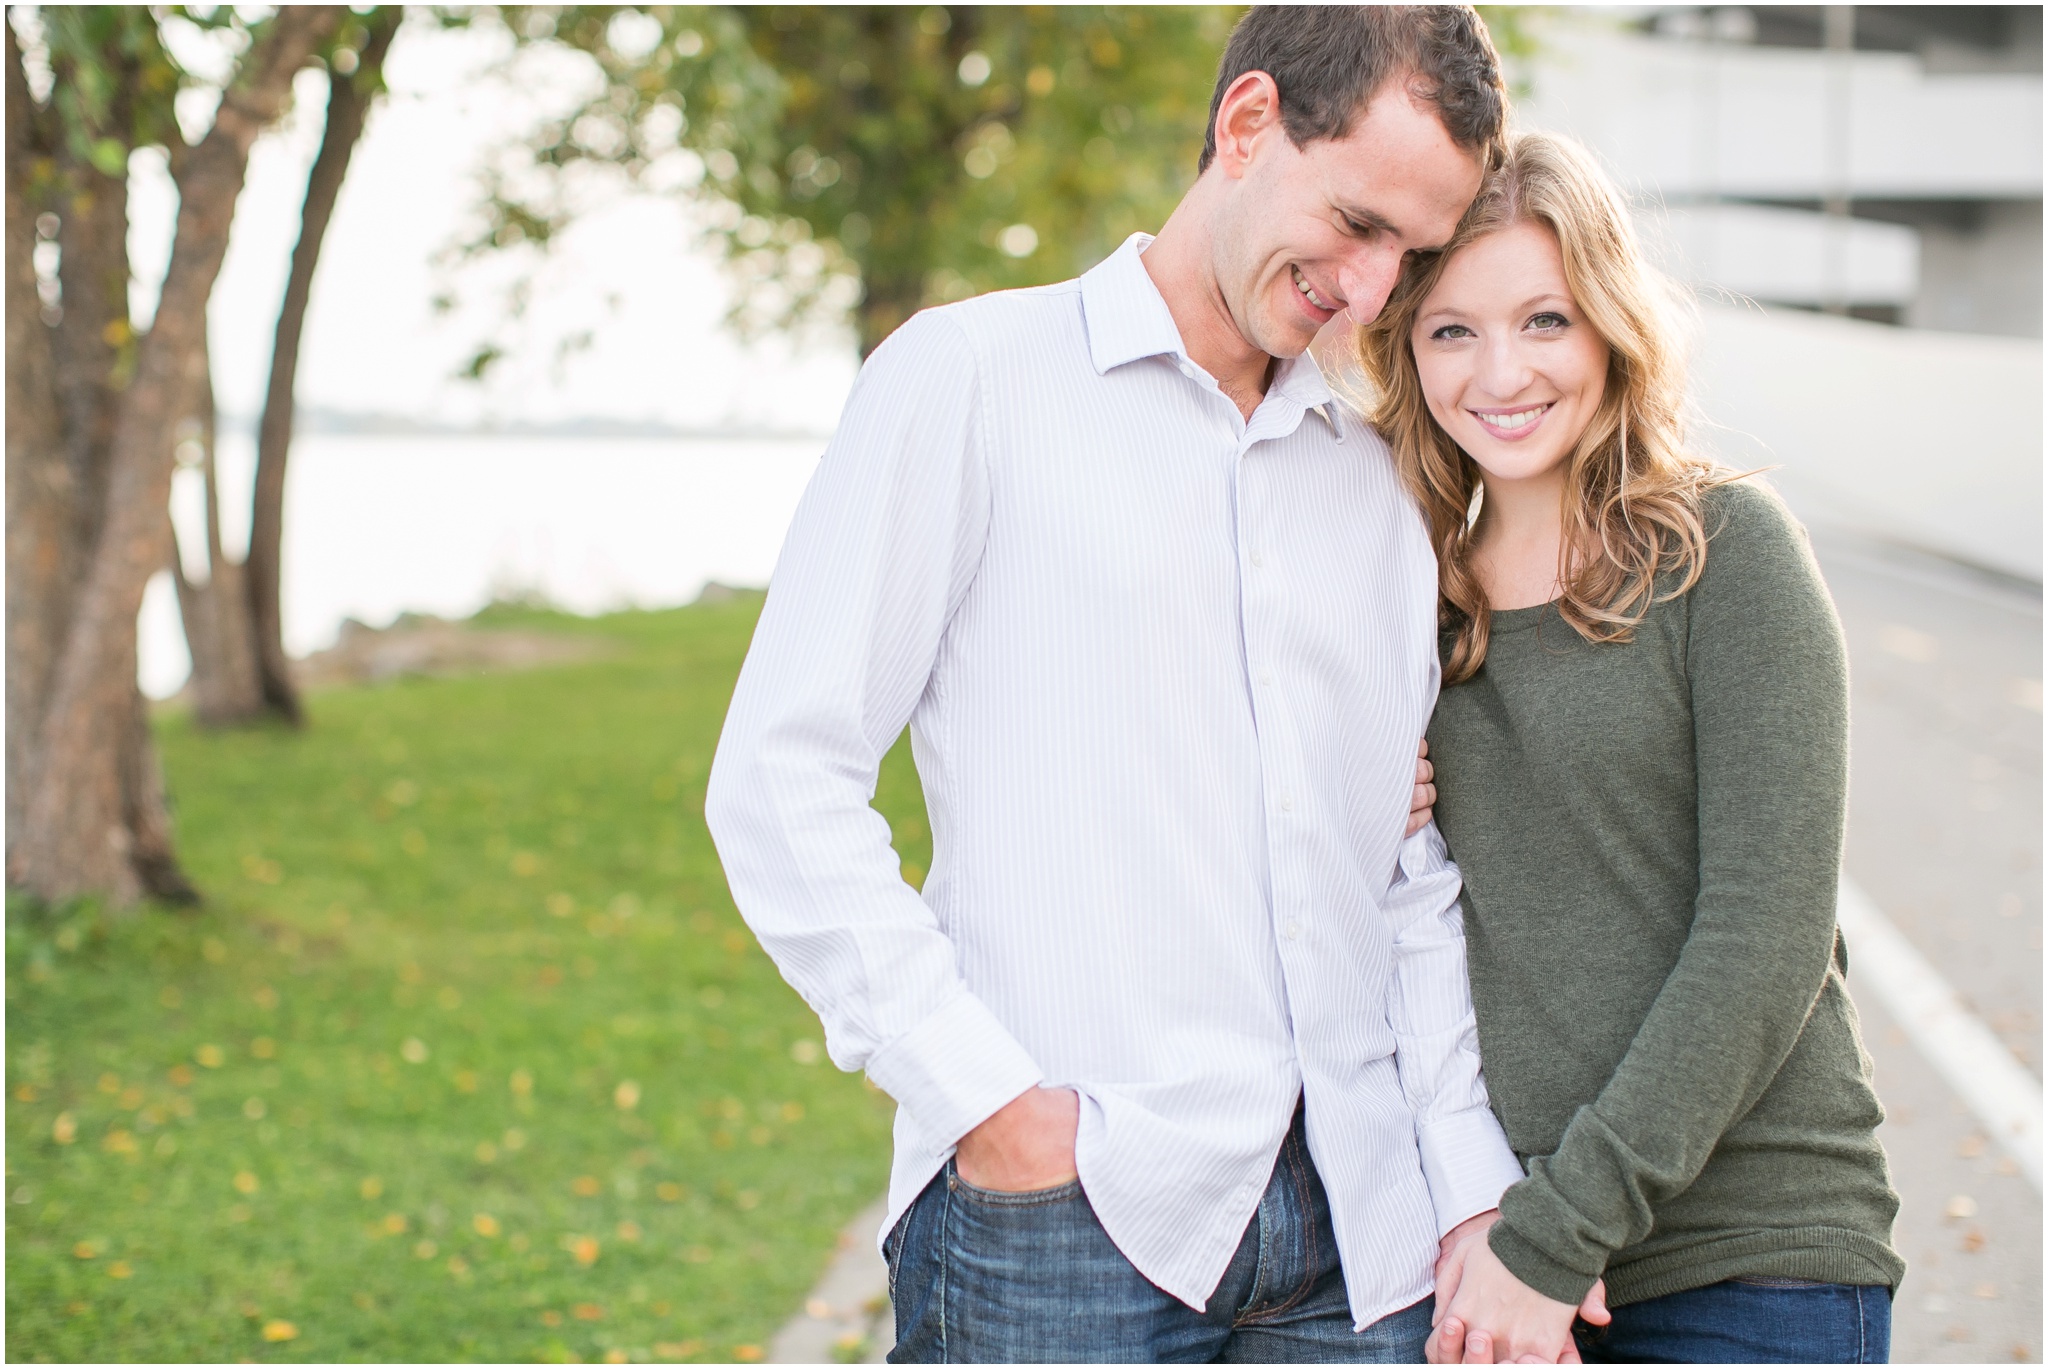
[[1424, 798], [1453, 1340], [1027, 1144]]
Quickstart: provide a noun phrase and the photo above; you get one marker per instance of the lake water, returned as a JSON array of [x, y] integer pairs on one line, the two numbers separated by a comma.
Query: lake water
[[376, 526]]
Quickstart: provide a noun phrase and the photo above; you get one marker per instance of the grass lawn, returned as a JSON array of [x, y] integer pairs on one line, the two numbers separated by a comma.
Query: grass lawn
[[467, 1057]]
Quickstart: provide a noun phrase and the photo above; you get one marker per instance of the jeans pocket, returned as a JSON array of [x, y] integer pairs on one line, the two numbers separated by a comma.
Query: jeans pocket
[[995, 1197]]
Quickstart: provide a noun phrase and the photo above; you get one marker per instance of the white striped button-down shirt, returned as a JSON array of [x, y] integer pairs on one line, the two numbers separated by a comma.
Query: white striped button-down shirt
[[1165, 670]]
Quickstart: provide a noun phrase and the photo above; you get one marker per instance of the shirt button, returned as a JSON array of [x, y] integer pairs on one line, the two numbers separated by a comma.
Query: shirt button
[[1291, 930], [1265, 677], [1287, 803], [1258, 557]]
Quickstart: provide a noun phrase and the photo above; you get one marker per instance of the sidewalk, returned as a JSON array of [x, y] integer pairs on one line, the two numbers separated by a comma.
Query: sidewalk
[[846, 1319]]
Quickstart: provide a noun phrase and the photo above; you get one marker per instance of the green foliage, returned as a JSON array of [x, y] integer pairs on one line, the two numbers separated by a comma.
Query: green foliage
[[883, 157], [377, 1096], [113, 82]]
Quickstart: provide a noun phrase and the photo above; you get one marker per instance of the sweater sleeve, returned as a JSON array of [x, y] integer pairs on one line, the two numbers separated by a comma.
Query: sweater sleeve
[[1769, 680]]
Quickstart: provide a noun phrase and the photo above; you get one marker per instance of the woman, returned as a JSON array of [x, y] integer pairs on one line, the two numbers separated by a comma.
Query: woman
[[1641, 749]]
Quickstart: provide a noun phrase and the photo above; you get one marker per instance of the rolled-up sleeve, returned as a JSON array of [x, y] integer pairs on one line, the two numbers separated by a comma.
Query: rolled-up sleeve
[[884, 545], [1465, 1154]]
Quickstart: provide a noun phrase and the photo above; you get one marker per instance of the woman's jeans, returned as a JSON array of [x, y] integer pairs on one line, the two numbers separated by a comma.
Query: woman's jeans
[[1748, 1321], [984, 1277]]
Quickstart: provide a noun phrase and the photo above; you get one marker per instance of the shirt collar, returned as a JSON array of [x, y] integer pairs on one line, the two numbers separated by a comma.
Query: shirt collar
[[1127, 320]]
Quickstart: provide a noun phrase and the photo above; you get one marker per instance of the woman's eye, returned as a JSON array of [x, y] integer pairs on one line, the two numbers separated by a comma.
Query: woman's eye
[[1549, 322], [1450, 332]]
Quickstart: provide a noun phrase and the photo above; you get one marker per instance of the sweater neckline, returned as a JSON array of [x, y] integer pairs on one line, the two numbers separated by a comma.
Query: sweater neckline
[[1520, 619]]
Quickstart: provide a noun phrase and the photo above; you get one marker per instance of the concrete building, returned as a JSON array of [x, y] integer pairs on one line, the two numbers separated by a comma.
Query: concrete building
[[1879, 163], [1884, 161]]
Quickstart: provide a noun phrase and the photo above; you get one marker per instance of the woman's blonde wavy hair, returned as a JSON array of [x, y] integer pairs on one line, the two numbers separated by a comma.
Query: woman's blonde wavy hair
[[1632, 509]]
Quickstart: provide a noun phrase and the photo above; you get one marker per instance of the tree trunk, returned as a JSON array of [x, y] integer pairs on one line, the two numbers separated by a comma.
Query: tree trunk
[[39, 482], [63, 389], [81, 835], [226, 686], [348, 103]]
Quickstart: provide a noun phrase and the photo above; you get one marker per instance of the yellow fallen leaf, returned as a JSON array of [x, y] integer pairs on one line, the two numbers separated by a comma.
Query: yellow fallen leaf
[[750, 1354], [414, 1050], [677, 1349], [181, 1075], [25, 1093], [245, 1182], [263, 1048], [551, 1318], [84, 1250], [522, 1083], [587, 1311], [210, 1056], [119, 1269], [585, 1249], [120, 1142], [280, 1330], [629, 1231], [615, 1356], [585, 1186], [515, 1139], [425, 1250], [110, 1083], [626, 1095], [486, 1225], [65, 1129], [395, 1223], [372, 1187], [669, 1193]]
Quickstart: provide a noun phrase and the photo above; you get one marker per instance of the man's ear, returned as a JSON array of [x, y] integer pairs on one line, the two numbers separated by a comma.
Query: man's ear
[[1246, 118]]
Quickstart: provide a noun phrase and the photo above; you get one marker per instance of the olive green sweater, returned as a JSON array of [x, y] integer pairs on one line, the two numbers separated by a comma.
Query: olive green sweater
[[1651, 834]]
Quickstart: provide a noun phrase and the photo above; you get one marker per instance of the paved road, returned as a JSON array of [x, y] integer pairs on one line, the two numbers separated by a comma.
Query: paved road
[[1945, 835]]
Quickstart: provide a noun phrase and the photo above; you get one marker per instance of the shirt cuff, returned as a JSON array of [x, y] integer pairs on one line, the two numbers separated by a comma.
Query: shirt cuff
[[954, 1069], [1468, 1162]]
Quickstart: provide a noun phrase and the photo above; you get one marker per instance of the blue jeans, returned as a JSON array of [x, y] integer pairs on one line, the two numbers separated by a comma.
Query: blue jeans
[[982, 1277], [1748, 1321]]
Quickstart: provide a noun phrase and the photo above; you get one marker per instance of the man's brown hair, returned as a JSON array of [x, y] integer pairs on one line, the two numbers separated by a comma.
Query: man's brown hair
[[1329, 61]]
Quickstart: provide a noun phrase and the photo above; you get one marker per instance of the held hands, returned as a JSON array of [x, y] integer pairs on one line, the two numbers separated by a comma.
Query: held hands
[[1026, 1144], [1422, 803], [1485, 1315]]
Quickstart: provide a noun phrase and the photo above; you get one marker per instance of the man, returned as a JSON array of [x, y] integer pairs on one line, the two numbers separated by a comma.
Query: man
[[1179, 1029]]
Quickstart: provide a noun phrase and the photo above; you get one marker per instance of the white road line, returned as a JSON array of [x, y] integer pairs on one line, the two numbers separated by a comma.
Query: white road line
[[1975, 1063]]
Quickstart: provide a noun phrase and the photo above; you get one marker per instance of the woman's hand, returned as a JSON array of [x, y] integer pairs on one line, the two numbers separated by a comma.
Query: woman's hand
[[1422, 802], [1485, 1315]]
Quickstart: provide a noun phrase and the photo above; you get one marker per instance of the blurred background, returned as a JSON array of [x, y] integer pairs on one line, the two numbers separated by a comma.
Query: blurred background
[[528, 327]]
